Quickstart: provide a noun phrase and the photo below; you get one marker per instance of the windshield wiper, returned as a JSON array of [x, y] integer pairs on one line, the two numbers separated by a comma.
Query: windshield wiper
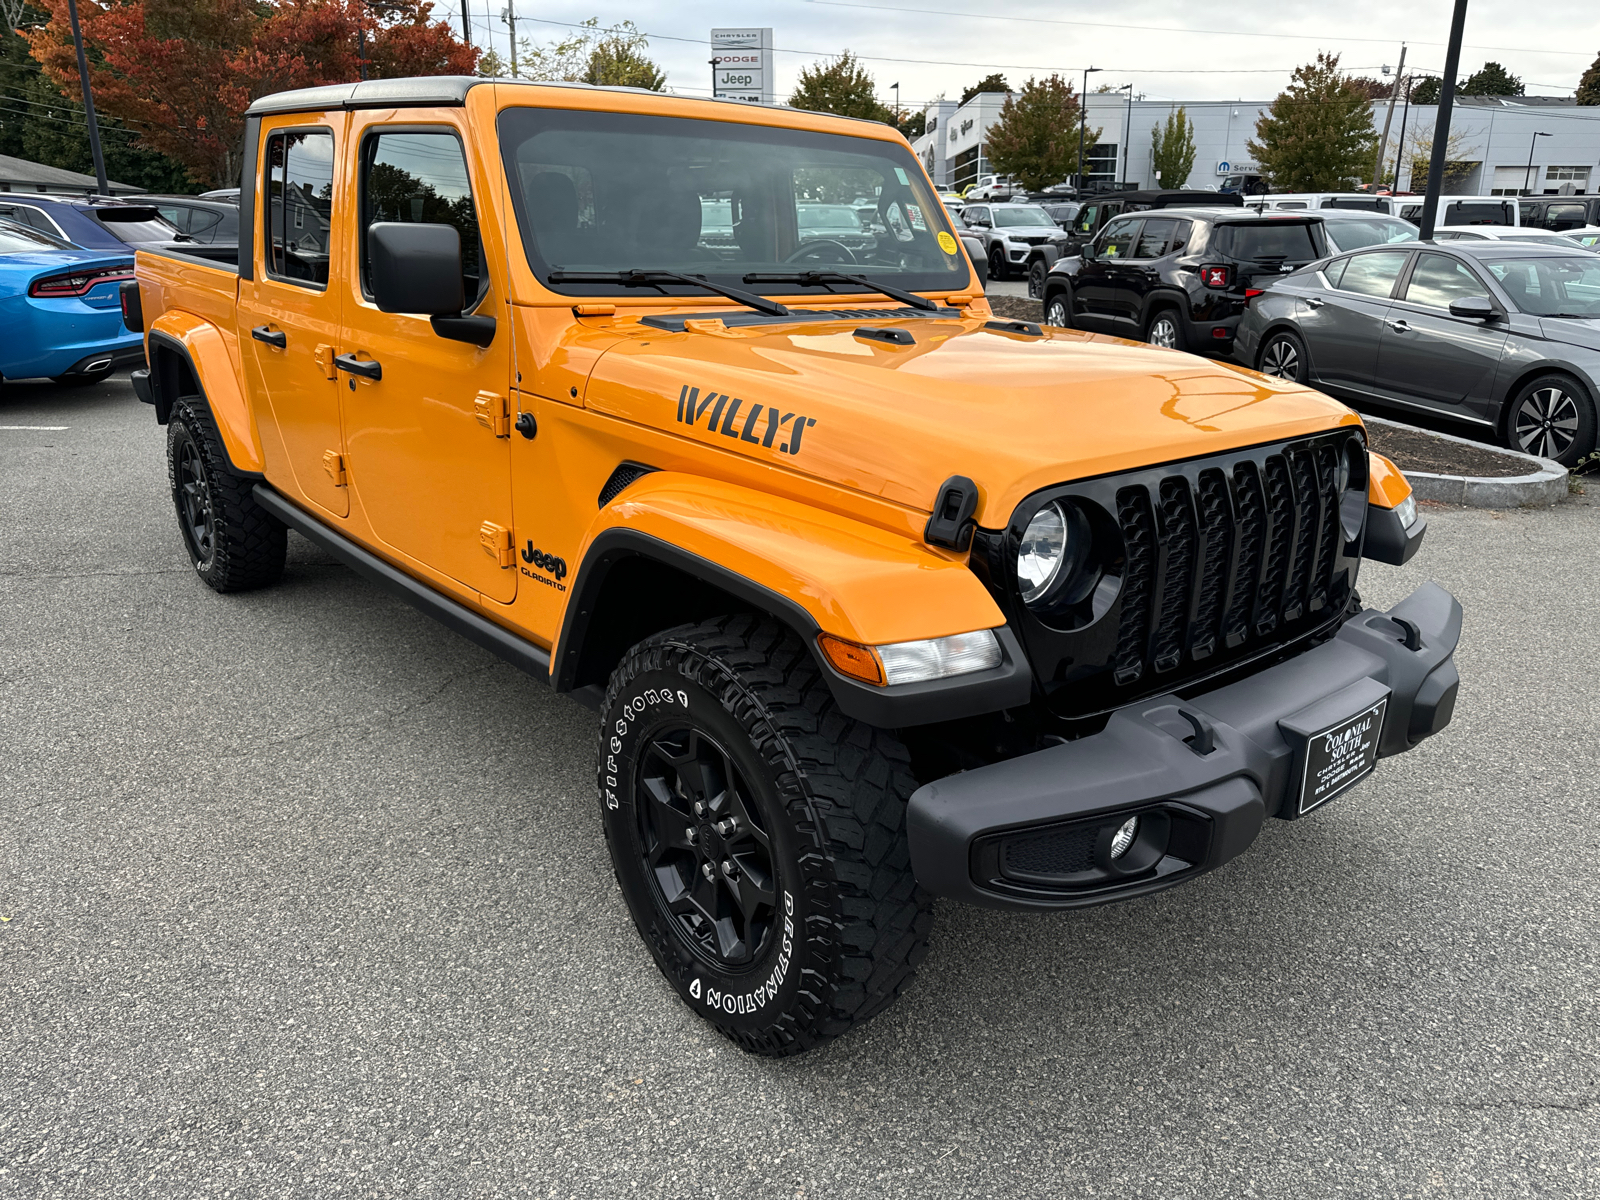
[[652, 278], [823, 278]]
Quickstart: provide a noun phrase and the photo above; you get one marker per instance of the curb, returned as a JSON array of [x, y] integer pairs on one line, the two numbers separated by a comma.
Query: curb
[[1545, 483]]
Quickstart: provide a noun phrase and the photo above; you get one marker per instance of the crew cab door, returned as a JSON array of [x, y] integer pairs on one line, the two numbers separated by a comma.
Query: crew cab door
[[288, 313], [1141, 274], [427, 417]]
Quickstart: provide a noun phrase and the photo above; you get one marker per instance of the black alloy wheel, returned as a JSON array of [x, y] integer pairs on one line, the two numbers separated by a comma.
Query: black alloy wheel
[[1057, 313], [1284, 356], [191, 491], [1036, 274], [1553, 417], [703, 846], [998, 268]]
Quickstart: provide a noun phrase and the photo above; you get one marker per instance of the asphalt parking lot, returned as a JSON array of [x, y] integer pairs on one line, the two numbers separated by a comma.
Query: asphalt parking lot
[[305, 896]]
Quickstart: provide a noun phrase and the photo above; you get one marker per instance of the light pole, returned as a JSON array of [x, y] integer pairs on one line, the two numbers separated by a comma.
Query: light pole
[[1383, 142], [1441, 124], [896, 88], [1527, 175], [88, 102], [1127, 134], [1083, 122]]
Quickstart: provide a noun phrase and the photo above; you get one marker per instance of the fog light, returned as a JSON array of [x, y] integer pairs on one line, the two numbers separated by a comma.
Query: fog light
[[1123, 838]]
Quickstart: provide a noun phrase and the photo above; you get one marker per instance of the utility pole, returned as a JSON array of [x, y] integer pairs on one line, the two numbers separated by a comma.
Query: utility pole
[[1083, 124], [466, 24], [508, 14], [88, 102], [1441, 127], [1383, 142]]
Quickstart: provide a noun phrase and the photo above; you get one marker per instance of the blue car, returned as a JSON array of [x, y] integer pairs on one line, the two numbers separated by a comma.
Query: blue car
[[94, 222], [60, 311]]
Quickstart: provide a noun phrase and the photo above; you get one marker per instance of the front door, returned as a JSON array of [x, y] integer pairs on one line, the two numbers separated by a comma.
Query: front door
[[288, 315], [1426, 355], [1342, 325], [429, 433], [1094, 291]]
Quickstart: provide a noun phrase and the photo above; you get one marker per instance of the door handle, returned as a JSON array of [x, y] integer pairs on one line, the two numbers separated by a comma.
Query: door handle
[[367, 370], [272, 337], [1314, 302], [1399, 327]]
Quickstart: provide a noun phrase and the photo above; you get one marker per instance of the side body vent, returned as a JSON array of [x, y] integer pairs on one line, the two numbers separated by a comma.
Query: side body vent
[[625, 474]]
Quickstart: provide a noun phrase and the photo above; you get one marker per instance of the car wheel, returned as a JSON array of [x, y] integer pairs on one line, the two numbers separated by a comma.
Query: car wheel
[[1284, 355], [1166, 330], [997, 264], [233, 542], [758, 835], [1036, 273], [1057, 313], [1552, 416]]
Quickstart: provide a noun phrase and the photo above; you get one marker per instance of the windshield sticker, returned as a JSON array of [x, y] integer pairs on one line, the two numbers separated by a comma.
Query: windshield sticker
[[759, 424], [900, 174], [915, 214], [946, 242]]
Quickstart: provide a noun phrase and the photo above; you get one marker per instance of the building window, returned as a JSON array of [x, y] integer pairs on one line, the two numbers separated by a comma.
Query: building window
[[1100, 162], [965, 168], [1578, 177]]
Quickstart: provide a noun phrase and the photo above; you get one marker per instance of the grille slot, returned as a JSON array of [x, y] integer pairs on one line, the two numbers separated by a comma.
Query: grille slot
[[1058, 852], [1177, 534], [1139, 540]]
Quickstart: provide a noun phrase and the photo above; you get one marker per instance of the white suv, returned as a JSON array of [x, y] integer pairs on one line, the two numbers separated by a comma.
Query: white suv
[[992, 187]]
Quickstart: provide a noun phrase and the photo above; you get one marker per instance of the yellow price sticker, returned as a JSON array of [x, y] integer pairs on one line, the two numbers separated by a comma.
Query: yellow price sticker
[[947, 243]]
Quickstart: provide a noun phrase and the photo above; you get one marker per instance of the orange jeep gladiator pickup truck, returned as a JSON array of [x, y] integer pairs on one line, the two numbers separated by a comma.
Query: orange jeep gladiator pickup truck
[[878, 598]]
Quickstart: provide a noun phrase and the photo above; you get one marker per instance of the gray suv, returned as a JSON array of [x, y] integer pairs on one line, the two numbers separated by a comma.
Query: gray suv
[[1009, 232], [1495, 333]]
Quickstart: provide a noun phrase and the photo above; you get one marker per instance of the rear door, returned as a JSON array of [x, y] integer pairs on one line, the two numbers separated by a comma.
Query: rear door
[[1343, 325], [430, 450], [1140, 275], [1427, 356], [288, 313]]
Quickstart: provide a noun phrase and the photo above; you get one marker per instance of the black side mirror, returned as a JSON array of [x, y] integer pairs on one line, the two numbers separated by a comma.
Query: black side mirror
[[1479, 308], [417, 269]]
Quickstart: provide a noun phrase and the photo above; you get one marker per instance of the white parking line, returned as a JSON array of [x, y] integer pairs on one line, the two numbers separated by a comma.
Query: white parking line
[[37, 428]]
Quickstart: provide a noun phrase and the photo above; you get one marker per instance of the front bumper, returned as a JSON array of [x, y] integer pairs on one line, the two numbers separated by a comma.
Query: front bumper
[[1055, 811]]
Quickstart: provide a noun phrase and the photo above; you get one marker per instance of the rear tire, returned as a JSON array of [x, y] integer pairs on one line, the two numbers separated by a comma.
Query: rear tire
[[1283, 356], [233, 542], [1036, 277], [1166, 330], [1058, 312], [1552, 416], [758, 835]]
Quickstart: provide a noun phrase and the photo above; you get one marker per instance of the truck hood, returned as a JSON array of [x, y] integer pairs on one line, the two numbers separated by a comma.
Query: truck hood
[[967, 396]]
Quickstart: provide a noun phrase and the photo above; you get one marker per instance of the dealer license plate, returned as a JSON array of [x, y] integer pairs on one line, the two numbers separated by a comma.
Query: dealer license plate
[[1341, 756]]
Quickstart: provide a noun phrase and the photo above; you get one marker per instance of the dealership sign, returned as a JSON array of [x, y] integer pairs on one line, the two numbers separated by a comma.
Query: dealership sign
[[741, 61]]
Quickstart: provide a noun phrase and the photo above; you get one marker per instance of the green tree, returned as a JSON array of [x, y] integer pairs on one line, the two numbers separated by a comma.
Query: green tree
[[842, 87], [989, 83], [913, 125], [1589, 85], [1172, 150], [1318, 134], [1035, 139], [617, 61], [1491, 80], [1427, 90]]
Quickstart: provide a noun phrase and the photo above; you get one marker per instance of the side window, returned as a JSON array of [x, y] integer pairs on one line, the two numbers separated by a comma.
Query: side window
[[299, 208], [1437, 280], [420, 176], [1180, 236], [1334, 270], [1372, 274], [199, 221], [1155, 237], [1564, 216], [1118, 239], [178, 216], [1086, 218]]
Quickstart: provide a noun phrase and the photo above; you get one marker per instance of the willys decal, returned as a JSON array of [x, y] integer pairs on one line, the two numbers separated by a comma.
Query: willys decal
[[759, 424]]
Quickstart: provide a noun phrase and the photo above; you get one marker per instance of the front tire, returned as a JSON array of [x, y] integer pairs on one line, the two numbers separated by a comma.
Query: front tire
[[998, 268], [758, 835], [1283, 356], [1552, 416], [1036, 276], [233, 542]]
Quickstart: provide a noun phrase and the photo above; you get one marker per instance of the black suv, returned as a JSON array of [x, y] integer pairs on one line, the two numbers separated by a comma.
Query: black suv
[[1560, 212], [1094, 214], [1179, 277]]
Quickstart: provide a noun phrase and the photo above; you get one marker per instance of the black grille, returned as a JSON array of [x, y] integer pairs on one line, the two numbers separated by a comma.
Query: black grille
[[1059, 852], [1216, 561]]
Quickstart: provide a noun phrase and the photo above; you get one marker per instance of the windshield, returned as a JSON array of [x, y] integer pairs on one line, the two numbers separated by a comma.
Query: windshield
[[147, 225], [1020, 215], [598, 191], [19, 239], [1549, 287], [1379, 231]]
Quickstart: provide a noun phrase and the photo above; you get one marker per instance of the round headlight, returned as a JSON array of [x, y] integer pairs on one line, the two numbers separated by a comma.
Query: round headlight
[[1043, 550]]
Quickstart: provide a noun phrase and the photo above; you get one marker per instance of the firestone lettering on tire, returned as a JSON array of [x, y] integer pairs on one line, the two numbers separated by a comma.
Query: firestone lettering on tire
[[650, 697], [767, 992]]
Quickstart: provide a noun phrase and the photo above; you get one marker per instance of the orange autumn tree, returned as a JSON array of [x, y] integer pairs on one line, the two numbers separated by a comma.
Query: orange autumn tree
[[182, 72]]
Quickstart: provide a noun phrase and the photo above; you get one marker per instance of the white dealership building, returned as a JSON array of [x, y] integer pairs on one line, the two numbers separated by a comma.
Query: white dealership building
[[1492, 139]]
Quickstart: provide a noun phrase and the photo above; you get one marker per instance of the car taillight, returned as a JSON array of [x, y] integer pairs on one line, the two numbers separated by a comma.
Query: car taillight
[[1216, 277], [1251, 293], [80, 283]]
